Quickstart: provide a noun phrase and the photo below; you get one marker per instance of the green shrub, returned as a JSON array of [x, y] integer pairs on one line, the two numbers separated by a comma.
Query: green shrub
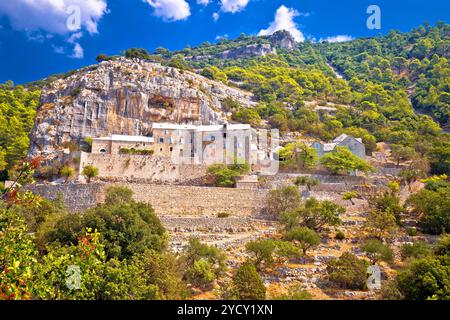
[[118, 195], [348, 272], [425, 279], [432, 205], [295, 292], [317, 214], [417, 250], [389, 291], [201, 273], [223, 215], [282, 200], [75, 92], [412, 232], [286, 249], [67, 172], [343, 160], [126, 228], [247, 115], [340, 235], [225, 175], [261, 251], [137, 53], [204, 263], [308, 238], [376, 251], [443, 246], [90, 172], [247, 284]]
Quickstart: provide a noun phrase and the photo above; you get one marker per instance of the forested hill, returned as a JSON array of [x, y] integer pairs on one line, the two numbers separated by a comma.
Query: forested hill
[[391, 84], [417, 62]]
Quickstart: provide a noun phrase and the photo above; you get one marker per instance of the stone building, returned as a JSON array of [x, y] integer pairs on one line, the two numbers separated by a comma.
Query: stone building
[[204, 144], [114, 143], [355, 145]]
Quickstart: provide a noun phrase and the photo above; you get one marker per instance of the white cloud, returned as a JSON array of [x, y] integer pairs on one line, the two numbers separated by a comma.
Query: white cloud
[[52, 15], [42, 19], [170, 10], [203, 2], [218, 38], [74, 37], [338, 38], [78, 51], [58, 49], [216, 16], [233, 6], [284, 20]]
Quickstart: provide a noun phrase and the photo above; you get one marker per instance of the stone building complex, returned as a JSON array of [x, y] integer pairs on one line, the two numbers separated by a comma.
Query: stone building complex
[[355, 145], [204, 144]]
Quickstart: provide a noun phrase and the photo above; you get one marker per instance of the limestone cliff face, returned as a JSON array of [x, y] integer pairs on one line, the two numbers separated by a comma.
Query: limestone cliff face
[[249, 51], [125, 97], [283, 39]]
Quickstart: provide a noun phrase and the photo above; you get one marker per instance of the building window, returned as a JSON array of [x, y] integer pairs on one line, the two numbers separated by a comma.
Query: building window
[[160, 149], [161, 140], [213, 138], [102, 150], [224, 134], [171, 149], [166, 131]]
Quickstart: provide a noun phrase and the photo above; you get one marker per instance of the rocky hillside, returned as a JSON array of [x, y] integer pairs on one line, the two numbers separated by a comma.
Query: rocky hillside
[[125, 97], [259, 47]]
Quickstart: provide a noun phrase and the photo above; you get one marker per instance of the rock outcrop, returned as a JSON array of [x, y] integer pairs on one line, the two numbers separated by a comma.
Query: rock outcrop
[[283, 39], [279, 40], [249, 51], [125, 97]]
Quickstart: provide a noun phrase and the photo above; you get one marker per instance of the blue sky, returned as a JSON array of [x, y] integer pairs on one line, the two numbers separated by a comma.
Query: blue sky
[[36, 42]]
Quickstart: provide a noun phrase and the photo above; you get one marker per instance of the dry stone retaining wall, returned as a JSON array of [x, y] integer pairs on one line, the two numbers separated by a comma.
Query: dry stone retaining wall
[[139, 168], [166, 199]]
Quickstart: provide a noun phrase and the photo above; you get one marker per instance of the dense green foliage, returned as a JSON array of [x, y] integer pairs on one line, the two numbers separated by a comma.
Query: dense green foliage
[[432, 204], [128, 260], [17, 112], [381, 75], [426, 275], [426, 279], [414, 62], [127, 227]]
